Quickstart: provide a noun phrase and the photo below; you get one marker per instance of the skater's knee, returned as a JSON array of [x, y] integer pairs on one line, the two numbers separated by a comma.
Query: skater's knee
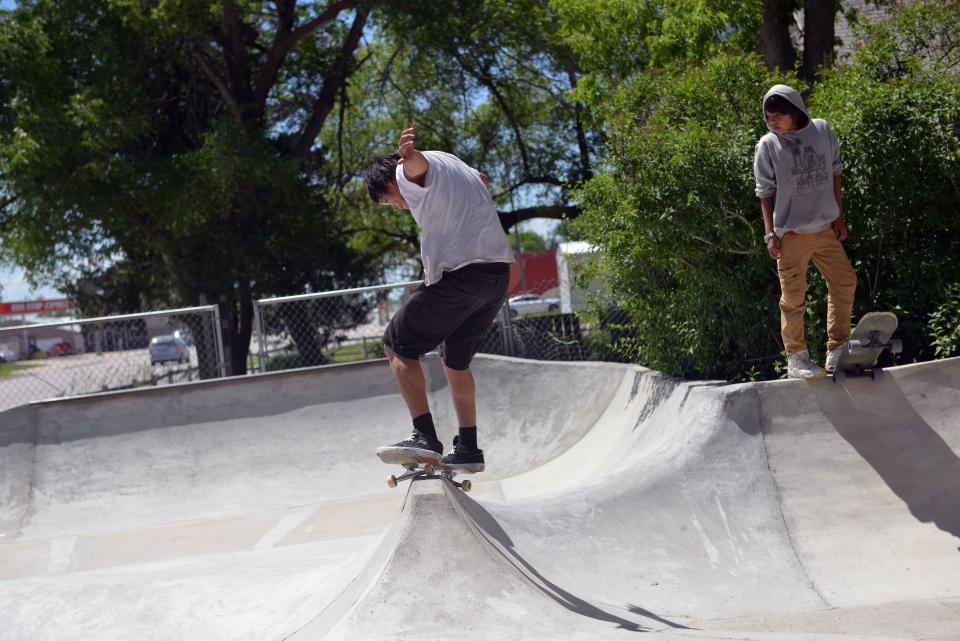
[[793, 291]]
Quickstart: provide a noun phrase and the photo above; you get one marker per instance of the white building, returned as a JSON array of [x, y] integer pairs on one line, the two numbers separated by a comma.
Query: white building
[[569, 256]]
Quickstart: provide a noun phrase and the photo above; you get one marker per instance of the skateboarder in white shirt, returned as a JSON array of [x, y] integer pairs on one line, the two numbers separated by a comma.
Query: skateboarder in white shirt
[[466, 263]]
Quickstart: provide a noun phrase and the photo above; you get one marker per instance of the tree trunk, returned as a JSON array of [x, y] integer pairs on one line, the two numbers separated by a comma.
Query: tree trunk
[[308, 333], [819, 17], [204, 342], [241, 347], [557, 212], [773, 38], [236, 318]]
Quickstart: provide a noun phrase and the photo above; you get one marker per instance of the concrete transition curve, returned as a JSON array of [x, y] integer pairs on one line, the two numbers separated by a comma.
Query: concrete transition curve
[[617, 504]]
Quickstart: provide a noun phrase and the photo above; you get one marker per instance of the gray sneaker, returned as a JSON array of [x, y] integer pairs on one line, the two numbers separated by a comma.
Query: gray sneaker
[[833, 357], [799, 365]]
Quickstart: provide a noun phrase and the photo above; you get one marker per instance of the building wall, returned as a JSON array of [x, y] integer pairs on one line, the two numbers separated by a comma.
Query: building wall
[[540, 273]]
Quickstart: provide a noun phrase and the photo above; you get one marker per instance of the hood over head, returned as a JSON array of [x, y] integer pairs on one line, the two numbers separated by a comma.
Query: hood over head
[[790, 94]]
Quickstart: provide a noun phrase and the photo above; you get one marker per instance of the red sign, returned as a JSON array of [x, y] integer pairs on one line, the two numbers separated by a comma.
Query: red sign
[[19, 308]]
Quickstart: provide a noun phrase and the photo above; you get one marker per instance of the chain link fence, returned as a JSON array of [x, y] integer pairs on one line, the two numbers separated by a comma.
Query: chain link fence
[[324, 328], [347, 325], [76, 357], [546, 322]]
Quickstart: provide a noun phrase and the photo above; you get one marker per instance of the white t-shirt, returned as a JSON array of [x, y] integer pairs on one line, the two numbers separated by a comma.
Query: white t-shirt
[[458, 220]]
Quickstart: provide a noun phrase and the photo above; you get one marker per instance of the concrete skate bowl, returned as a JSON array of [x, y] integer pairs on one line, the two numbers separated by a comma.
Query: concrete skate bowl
[[618, 503]]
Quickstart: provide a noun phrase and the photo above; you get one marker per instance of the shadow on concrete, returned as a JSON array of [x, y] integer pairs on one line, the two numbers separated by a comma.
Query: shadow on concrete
[[915, 462], [499, 542], [657, 388], [636, 609]]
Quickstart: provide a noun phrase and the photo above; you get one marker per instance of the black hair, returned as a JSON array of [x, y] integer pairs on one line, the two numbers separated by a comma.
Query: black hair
[[777, 104], [380, 172]]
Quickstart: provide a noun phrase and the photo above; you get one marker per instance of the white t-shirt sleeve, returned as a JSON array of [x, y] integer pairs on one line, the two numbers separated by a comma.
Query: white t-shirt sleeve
[[413, 193]]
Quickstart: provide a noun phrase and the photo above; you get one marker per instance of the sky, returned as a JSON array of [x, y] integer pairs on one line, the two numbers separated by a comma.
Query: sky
[[15, 287]]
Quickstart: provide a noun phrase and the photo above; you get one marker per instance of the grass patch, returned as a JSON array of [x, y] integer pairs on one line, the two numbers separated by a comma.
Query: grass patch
[[7, 369], [354, 352], [348, 353]]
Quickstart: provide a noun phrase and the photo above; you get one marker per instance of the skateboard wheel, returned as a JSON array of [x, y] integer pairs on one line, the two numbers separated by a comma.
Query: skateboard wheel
[[877, 374], [839, 376], [896, 346], [392, 481], [466, 485], [854, 346]]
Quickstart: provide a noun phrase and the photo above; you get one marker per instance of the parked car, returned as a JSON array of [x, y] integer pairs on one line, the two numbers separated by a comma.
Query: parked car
[[63, 348], [8, 354], [165, 349], [525, 304]]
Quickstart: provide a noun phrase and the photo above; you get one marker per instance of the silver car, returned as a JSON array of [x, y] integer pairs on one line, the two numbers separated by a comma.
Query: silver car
[[524, 304], [165, 349]]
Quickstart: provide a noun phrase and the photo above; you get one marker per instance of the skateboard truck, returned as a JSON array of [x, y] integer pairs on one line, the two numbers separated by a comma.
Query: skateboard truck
[[858, 346], [417, 473]]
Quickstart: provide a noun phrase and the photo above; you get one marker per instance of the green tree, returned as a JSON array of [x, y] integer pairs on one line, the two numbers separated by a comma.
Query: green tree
[[530, 241], [896, 112], [675, 218], [677, 224], [489, 81], [171, 148]]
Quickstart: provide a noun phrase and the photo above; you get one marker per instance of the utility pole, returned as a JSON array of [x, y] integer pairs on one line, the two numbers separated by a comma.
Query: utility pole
[[516, 235]]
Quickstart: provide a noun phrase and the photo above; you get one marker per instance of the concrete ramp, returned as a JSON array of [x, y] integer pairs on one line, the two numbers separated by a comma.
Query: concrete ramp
[[617, 503], [813, 503], [439, 554]]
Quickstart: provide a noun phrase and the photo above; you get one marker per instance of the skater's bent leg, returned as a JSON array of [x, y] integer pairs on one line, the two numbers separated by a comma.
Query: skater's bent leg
[[410, 381], [463, 390]]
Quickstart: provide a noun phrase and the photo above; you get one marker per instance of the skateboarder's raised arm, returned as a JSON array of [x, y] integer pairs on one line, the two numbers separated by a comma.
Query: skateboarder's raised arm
[[414, 163]]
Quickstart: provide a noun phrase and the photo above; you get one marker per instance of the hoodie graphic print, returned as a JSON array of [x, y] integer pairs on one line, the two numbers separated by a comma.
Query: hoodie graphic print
[[797, 167]]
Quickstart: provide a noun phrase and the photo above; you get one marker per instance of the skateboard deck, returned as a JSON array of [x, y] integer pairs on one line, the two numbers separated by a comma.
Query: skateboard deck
[[869, 339], [419, 469]]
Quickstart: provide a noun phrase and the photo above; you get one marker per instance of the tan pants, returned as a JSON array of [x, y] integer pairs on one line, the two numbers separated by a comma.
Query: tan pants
[[827, 253]]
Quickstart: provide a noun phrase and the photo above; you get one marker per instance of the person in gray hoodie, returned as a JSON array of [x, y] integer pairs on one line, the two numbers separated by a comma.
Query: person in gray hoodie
[[797, 169]]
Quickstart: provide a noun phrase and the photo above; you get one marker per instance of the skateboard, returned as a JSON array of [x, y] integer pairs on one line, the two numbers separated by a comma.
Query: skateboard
[[869, 339], [419, 469]]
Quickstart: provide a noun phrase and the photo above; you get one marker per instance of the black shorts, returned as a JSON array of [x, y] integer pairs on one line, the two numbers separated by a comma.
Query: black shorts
[[453, 313]]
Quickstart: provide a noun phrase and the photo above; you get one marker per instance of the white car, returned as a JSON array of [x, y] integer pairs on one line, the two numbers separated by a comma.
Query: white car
[[526, 304], [8, 354]]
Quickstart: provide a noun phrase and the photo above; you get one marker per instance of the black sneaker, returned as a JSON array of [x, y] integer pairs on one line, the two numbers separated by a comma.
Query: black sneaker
[[463, 459], [414, 449]]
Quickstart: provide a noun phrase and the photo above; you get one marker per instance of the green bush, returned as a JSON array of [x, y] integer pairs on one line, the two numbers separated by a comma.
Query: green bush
[[282, 362], [944, 324], [678, 227], [897, 116]]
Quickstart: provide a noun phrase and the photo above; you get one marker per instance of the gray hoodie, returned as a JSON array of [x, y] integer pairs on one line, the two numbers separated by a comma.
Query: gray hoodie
[[798, 168]]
